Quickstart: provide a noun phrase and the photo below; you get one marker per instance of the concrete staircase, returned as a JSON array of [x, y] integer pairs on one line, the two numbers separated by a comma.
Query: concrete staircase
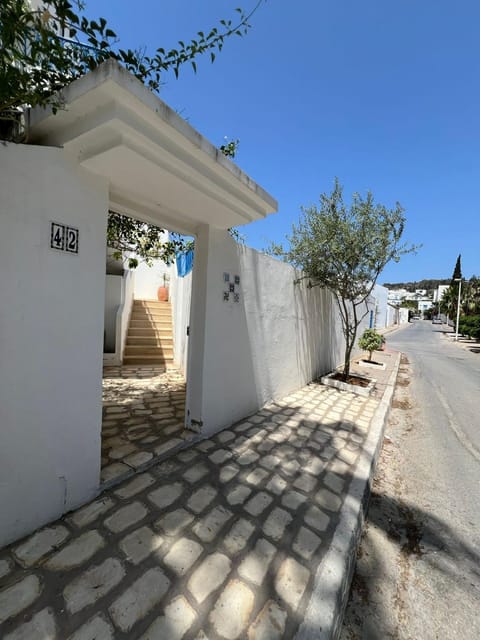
[[150, 334]]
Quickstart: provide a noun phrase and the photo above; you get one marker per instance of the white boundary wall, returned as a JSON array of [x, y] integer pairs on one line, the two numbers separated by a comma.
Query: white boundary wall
[[277, 338], [51, 337]]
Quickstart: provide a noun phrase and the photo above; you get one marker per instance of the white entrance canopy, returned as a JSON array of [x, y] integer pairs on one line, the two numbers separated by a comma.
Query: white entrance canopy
[[159, 168]]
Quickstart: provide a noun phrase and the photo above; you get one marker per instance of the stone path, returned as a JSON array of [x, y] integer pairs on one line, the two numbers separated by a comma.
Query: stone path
[[143, 418], [221, 541]]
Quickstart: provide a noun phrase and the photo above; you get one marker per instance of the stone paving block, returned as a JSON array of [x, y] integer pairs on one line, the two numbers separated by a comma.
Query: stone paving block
[[305, 482], [258, 503], [249, 457], [209, 576], [228, 472], [166, 494], [125, 517], [18, 596], [188, 455], [269, 624], [168, 446], [195, 473], [220, 456], [118, 453], [238, 494], [306, 543], [173, 625], [140, 598], [136, 460], [206, 445], [315, 466], [182, 555], [95, 629], [201, 498], [40, 627], [93, 584], [225, 436], [266, 446], [76, 552], [174, 521], [257, 476], [270, 461], [139, 544], [276, 484], [293, 500], [232, 611], [347, 456], [291, 581], [317, 519], [291, 467], [238, 536], [208, 527], [40, 544], [334, 482], [276, 522], [339, 467], [139, 483], [328, 500], [5, 567], [115, 471], [255, 565]]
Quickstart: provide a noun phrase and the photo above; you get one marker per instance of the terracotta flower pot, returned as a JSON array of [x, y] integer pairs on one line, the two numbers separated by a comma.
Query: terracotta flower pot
[[162, 294]]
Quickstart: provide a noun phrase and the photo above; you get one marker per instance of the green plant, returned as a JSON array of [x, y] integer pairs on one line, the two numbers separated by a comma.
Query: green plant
[[370, 341], [345, 248], [134, 241], [43, 49]]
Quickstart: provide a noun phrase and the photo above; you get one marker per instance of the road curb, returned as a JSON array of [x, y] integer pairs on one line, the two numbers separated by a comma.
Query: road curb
[[326, 608]]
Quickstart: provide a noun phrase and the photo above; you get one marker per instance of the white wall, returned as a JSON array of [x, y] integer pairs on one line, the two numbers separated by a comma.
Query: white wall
[[148, 279], [51, 337], [277, 338], [381, 306], [181, 293], [113, 299]]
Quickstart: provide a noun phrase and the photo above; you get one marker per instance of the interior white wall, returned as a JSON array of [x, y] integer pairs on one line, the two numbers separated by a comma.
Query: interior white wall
[[51, 337], [181, 294], [113, 299], [148, 279]]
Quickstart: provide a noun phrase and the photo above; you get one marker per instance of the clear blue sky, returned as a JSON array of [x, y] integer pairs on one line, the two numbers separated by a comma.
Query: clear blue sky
[[385, 95]]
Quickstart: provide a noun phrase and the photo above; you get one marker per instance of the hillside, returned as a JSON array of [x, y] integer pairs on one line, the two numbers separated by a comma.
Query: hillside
[[429, 284]]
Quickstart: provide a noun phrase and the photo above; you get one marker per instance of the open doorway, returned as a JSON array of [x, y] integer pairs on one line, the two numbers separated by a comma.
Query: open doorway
[[147, 307]]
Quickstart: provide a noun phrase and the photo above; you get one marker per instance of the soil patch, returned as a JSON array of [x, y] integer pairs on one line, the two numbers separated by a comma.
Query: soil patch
[[355, 380]]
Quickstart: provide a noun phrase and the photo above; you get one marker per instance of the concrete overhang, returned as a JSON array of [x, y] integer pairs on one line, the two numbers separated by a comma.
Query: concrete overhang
[[159, 168]]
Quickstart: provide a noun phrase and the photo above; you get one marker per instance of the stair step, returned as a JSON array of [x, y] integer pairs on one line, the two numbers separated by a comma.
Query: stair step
[[151, 304], [150, 322], [135, 341], [141, 349], [152, 313], [131, 360]]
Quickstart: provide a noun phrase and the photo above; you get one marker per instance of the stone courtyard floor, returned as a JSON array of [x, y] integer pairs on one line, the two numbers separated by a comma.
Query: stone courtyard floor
[[143, 418], [220, 541]]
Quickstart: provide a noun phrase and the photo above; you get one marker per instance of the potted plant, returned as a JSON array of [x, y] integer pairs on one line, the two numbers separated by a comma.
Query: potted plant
[[162, 292], [371, 341]]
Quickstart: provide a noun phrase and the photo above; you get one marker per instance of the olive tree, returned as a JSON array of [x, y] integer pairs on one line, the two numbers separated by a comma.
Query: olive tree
[[345, 248]]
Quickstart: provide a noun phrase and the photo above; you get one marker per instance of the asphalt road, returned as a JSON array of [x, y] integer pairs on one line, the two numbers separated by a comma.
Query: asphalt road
[[418, 569]]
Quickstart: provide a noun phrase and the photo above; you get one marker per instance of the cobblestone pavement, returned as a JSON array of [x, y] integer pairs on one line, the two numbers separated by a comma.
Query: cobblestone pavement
[[143, 418], [221, 541]]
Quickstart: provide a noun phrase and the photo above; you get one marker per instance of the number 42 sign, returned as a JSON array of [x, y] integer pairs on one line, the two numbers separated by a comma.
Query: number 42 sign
[[63, 238]]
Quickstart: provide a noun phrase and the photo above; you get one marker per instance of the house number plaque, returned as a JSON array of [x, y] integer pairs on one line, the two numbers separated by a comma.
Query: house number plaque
[[63, 238]]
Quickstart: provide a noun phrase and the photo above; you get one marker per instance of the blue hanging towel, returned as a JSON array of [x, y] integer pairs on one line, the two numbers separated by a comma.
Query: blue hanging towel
[[184, 263]]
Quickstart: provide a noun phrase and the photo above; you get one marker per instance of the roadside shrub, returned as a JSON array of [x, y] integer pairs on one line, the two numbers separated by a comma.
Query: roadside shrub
[[470, 326], [370, 341]]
